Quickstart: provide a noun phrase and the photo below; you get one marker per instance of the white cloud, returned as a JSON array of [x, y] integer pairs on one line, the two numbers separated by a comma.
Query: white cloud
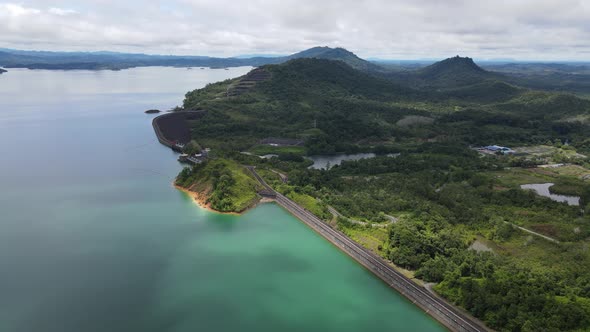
[[526, 29], [61, 11], [15, 10]]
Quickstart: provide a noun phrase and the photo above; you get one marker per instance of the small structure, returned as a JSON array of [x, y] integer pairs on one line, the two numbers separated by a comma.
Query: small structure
[[196, 158], [495, 149], [183, 158], [179, 145], [551, 166], [267, 193], [272, 141]]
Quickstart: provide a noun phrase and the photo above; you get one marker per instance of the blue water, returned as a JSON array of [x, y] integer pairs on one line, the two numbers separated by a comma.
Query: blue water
[[93, 237]]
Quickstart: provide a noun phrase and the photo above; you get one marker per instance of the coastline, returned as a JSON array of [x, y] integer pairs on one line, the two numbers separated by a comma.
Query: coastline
[[201, 201]]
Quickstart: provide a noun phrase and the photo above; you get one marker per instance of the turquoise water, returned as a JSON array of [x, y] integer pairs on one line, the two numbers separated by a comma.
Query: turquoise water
[[93, 237]]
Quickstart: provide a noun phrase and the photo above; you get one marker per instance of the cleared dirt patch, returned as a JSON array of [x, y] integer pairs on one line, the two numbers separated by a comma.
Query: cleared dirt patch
[[413, 120]]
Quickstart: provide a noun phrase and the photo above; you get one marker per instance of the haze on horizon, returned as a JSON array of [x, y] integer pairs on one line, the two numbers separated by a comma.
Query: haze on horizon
[[387, 29]]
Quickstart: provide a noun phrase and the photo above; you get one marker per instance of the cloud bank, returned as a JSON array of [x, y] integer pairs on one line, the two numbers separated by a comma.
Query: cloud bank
[[397, 29]]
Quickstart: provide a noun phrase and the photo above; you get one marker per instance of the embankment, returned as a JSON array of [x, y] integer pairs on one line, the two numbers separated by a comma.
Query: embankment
[[173, 127]]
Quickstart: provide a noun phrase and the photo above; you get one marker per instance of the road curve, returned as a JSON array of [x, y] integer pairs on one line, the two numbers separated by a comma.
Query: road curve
[[445, 313]]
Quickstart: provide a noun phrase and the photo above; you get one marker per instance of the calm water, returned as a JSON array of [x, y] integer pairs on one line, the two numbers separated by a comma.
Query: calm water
[[93, 237], [542, 189], [327, 161]]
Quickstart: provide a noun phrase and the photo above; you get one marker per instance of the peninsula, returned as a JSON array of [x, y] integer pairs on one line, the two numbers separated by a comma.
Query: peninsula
[[452, 215]]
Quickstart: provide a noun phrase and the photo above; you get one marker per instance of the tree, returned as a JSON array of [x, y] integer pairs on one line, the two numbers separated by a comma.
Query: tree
[[192, 147]]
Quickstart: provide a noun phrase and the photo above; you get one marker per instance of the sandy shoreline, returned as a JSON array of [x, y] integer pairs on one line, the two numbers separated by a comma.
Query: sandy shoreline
[[201, 201]]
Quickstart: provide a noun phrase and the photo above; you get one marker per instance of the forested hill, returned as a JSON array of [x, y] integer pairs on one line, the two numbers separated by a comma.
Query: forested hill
[[320, 78], [340, 54], [327, 100], [2, 71], [456, 71], [334, 107], [447, 74]]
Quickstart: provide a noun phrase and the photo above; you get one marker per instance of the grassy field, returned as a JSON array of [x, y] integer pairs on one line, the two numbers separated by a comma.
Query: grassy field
[[574, 171], [272, 178], [243, 191], [514, 177], [548, 152], [262, 150], [309, 203], [372, 238], [565, 175]]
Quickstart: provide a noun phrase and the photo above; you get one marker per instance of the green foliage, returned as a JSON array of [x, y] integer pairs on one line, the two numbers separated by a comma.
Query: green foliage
[[504, 231], [444, 195], [513, 298], [192, 147], [302, 197], [229, 186], [338, 109], [262, 150], [414, 243]]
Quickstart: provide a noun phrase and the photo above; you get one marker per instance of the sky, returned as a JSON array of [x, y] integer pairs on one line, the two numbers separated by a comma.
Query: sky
[[387, 29]]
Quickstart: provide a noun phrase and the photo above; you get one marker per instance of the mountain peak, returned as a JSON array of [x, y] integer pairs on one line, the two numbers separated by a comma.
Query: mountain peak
[[454, 72], [455, 63], [339, 54]]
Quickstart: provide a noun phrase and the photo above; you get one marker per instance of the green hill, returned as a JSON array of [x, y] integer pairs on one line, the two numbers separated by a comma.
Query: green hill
[[224, 185], [335, 108], [323, 100], [340, 54], [451, 73]]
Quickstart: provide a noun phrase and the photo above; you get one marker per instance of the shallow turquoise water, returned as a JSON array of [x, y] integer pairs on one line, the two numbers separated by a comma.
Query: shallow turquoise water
[[93, 237]]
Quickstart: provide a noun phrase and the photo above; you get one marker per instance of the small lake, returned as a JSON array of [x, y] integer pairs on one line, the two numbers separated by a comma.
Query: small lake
[[323, 161], [543, 190]]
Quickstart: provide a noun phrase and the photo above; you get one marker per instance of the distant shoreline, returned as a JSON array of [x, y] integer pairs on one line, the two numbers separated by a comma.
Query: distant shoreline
[[105, 67]]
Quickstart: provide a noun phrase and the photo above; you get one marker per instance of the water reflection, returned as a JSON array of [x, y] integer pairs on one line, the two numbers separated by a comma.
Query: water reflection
[[543, 190]]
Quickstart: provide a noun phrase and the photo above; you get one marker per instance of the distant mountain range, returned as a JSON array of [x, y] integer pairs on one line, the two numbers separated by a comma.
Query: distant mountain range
[[447, 75], [115, 61]]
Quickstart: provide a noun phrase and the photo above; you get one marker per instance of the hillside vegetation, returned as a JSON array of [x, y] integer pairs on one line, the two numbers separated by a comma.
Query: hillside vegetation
[[339, 109], [227, 186]]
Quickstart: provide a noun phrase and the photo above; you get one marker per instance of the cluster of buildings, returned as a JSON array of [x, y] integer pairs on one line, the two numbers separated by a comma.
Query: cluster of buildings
[[196, 158]]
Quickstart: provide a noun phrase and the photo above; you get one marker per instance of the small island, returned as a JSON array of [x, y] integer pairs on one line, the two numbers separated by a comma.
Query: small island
[[2, 71], [152, 111]]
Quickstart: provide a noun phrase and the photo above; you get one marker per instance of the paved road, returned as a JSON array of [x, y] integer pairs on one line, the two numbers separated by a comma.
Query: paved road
[[444, 312]]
